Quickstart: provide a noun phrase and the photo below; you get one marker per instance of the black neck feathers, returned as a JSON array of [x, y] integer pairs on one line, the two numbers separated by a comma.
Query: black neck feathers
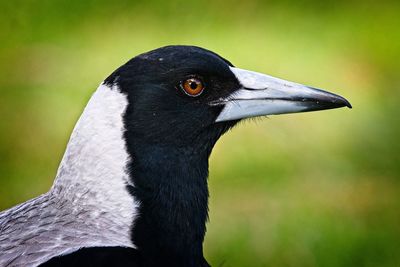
[[171, 186], [170, 183]]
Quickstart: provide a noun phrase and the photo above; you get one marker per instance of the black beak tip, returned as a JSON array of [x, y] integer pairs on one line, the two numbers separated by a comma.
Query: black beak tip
[[345, 102], [332, 100], [338, 101]]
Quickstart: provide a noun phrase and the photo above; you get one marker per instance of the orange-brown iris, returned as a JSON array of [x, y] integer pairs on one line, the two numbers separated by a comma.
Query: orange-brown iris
[[193, 86]]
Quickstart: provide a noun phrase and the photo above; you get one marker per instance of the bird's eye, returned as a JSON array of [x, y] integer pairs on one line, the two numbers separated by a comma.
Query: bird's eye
[[193, 86]]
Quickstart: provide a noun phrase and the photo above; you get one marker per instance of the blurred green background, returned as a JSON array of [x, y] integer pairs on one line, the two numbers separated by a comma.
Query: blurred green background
[[313, 189]]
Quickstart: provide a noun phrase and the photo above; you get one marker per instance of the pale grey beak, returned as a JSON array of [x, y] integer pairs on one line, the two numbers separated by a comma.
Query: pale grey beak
[[266, 95]]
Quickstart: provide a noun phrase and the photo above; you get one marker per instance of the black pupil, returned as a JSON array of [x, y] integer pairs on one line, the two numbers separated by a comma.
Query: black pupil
[[193, 85]]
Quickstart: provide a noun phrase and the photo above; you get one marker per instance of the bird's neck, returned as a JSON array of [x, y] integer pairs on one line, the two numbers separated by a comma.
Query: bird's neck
[[171, 185]]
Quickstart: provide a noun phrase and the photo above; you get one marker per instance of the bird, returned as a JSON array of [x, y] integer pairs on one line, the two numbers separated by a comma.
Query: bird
[[131, 188]]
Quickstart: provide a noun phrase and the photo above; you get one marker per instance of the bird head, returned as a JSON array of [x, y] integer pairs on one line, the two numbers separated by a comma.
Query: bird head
[[186, 95]]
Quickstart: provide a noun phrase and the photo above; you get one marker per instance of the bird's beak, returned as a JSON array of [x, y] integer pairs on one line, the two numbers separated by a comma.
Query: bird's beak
[[265, 95]]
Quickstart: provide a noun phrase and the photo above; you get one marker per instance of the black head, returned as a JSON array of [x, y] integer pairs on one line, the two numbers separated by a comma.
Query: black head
[[161, 111]]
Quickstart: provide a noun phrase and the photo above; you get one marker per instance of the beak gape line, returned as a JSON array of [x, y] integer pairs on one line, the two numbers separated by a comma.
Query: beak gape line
[[262, 94]]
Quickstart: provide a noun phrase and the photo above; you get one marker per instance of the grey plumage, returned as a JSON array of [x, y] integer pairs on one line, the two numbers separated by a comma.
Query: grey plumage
[[48, 226]]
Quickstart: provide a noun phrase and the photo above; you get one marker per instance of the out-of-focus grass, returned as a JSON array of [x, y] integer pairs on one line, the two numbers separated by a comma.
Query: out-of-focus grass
[[315, 189]]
